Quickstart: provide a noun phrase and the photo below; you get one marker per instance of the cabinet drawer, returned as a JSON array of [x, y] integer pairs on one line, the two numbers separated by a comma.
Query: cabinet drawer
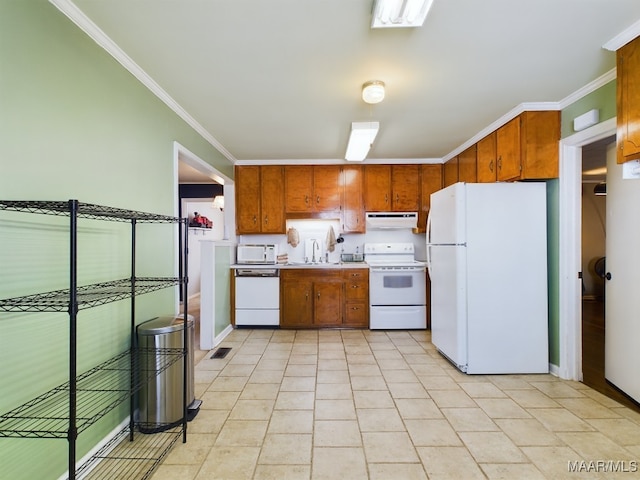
[[356, 314], [356, 289]]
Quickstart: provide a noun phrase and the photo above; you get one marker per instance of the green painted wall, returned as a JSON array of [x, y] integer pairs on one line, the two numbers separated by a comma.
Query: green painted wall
[[553, 269], [75, 124], [603, 99]]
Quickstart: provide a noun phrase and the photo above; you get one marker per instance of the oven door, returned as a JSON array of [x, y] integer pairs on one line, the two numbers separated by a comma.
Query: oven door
[[397, 286]]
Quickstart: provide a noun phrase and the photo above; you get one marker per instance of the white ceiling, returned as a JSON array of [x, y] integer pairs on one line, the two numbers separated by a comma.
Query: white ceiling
[[280, 80]]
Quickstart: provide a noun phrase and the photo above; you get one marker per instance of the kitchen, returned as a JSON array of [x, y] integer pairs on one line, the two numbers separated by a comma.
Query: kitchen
[[88, 117]]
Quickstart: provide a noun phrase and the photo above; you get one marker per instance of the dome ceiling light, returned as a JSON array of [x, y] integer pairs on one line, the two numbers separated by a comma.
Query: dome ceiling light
[[373, 91]]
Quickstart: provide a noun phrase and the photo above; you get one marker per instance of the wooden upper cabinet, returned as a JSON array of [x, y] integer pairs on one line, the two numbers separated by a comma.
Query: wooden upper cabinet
[[486, 159], [431, 179], [527, 147], [352, 181], [450, 173], [405, 188], [508, 150], [272, 199], [377, 188], [467, 165], [247, 192], [392, 188], [298, 188], [628, 101], [312, 189], [326, 188], [259, 199]]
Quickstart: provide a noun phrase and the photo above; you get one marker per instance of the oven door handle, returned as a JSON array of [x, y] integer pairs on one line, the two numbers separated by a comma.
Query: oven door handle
[[391, 270]]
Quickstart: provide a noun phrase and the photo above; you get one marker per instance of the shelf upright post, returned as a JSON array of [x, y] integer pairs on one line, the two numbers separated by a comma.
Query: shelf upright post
[[132, 372], [185, 290], [73, 313]]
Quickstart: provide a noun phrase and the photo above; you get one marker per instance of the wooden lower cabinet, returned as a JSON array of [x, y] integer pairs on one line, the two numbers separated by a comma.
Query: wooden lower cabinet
[[323, 298], [356, 294]]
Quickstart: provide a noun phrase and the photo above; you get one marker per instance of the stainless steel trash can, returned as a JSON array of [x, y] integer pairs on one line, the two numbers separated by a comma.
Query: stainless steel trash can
[[160, 398]]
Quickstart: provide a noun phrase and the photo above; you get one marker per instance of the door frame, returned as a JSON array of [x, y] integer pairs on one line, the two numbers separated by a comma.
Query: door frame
[[570, 245]]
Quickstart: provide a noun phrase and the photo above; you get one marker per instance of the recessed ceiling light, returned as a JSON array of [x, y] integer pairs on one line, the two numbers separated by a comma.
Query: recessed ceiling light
[[373, 91], [400, 13]]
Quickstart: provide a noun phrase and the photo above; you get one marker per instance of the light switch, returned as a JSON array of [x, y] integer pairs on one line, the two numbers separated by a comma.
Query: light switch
[[631, 169]]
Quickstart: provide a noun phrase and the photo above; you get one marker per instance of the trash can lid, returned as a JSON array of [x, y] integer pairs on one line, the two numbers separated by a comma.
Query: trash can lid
[[166, 324]]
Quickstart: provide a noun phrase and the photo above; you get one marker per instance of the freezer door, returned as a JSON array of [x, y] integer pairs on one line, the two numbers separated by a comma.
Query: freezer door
[[447, 216], [448, 303]]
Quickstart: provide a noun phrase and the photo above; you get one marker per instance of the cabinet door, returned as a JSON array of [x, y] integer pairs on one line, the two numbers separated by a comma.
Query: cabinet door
[[540, 134], [486, 159], [451, 172], [352, 202], [431, 182], [467, 171], [272, 199], [508, 150], [298, 188], [377, 188], [326, 188], [247, 181], [327, 302], [356, 314], [628, 101], [296, 309], [405, 188]]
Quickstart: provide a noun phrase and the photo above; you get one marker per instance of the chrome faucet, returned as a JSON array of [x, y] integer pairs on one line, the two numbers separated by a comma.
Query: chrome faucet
[[314, 245]]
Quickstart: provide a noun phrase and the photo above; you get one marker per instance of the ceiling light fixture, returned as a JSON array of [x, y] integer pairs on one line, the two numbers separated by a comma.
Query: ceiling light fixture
[[400, 13], [373, 91], [362, 136]]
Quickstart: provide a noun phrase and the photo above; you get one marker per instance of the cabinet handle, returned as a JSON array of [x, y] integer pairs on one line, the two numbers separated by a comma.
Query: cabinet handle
[[355, 286], [491, 166], [355, 308], [255, 219], [306, 199], [386, 198], [318, 199], [500, 162], [397, 197], [355, 274], [318, 295]]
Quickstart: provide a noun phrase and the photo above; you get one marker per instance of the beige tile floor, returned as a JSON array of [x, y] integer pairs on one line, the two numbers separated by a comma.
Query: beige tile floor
[[357, 404]]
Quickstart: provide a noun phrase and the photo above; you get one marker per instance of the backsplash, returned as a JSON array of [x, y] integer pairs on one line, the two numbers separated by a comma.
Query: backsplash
[[318, 230]]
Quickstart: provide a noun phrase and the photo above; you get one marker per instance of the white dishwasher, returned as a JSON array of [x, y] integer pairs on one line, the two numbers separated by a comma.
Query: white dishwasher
[[257, 297]]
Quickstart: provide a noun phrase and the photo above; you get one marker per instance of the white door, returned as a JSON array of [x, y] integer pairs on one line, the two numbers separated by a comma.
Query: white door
[[622, 315]]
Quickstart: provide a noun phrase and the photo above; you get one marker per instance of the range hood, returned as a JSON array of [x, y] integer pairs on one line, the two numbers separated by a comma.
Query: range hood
[[391, 220]]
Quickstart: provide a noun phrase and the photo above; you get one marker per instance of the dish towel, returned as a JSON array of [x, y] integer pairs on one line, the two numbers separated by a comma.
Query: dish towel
[[331, 239], [293, 238]]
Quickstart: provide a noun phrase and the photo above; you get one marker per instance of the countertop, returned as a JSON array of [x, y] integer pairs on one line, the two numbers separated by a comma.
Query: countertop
[[299, 265]]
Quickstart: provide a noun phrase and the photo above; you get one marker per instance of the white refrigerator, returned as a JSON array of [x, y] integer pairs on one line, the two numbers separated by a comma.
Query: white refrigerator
[[487, 260]]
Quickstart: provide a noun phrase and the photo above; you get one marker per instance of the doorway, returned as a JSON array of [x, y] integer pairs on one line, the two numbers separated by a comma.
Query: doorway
[[593, 261]]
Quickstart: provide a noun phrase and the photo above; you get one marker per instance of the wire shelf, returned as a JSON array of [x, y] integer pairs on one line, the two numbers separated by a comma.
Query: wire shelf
[[98, 391], [125, 459], [87, 296], [85, 210]]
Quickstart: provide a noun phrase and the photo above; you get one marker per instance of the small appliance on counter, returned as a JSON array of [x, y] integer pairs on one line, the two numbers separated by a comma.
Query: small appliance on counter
[[253, 254]]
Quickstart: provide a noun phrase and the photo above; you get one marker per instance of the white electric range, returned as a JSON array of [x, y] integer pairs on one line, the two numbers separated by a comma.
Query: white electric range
[[397, 287]]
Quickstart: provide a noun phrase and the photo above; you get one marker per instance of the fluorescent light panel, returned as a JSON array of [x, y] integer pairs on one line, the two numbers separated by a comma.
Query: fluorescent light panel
[[400, 13], [362, 136]]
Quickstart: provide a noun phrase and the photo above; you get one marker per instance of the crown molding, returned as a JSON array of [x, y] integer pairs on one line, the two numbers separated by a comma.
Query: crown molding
[[587, 89], [71, 11], [623, 37]]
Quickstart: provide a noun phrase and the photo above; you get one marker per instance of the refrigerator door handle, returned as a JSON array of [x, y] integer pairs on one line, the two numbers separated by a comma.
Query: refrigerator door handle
[[428, 238]]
